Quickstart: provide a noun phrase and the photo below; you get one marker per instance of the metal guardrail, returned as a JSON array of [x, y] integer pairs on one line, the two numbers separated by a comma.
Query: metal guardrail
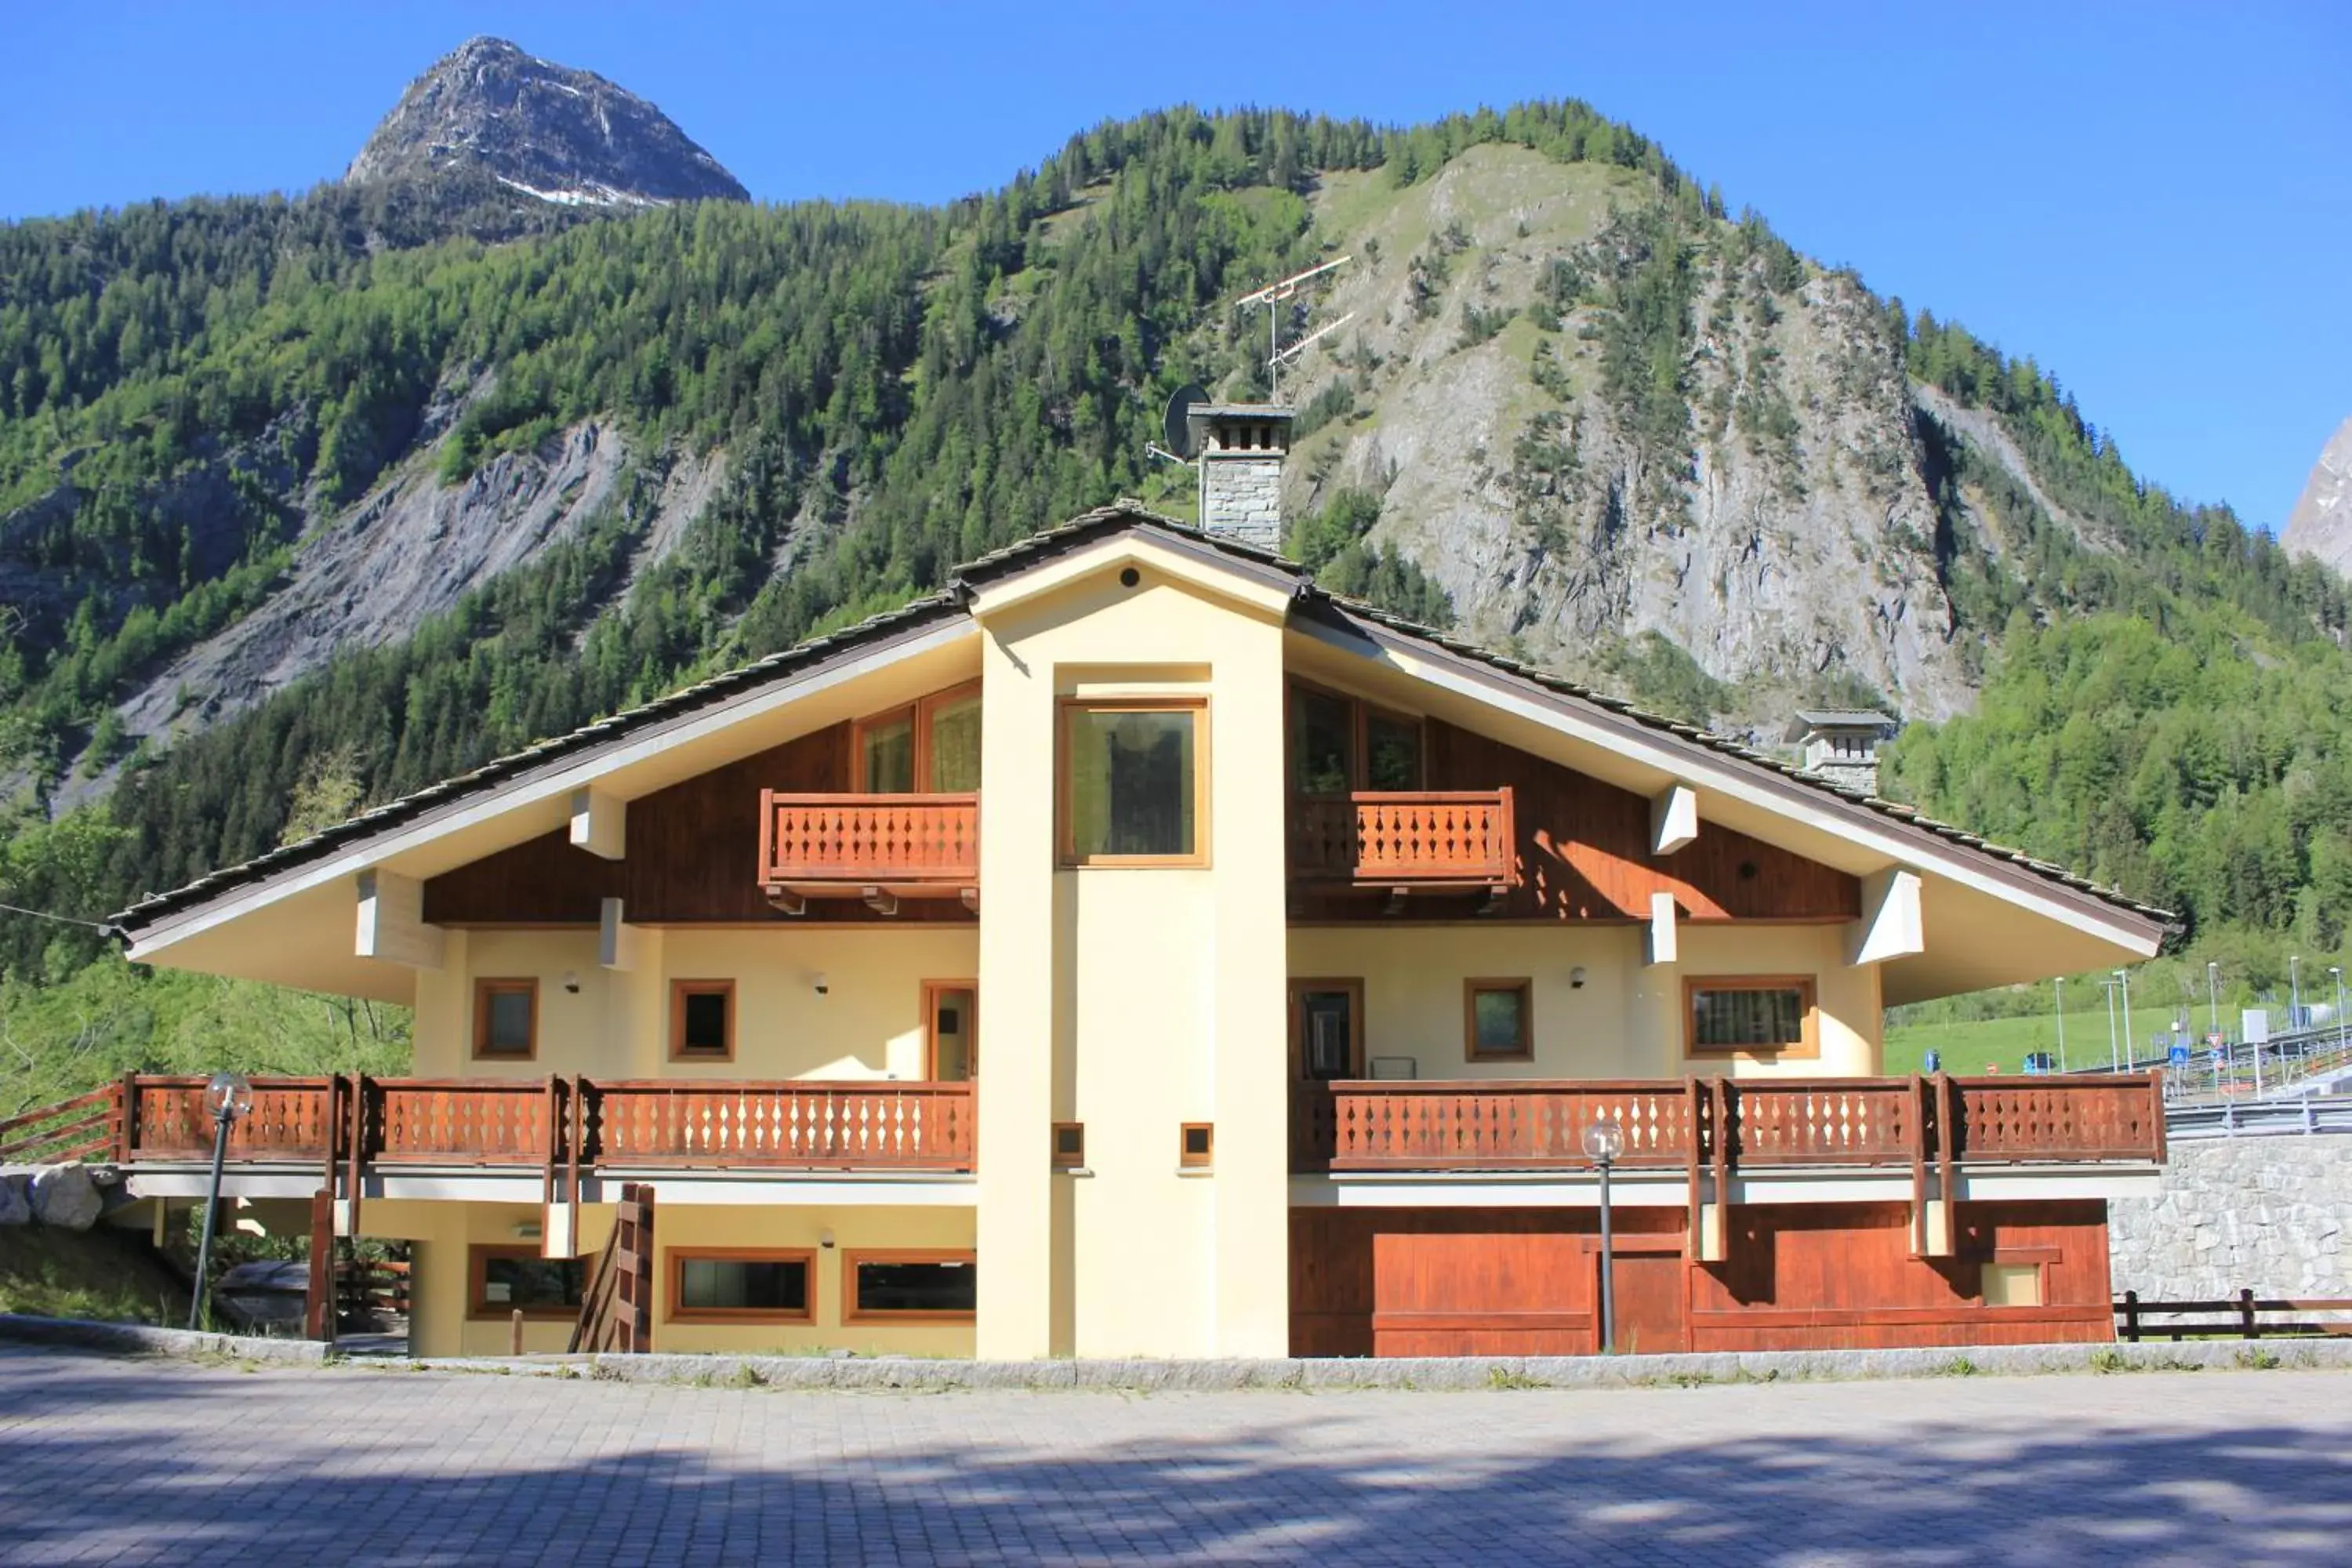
[[2260, 1117]]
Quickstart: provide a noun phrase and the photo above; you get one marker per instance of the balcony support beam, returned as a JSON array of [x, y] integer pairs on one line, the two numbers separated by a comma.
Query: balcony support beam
[[618, 945], [1662, 943], [600, 823], [881, 900], [1674, 819], [391, 921], [1890, 926], [786, 901]]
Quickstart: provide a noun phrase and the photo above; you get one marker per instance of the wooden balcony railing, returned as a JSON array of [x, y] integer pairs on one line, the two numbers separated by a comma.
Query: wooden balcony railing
[[347, 1124], [1727, 1124], [879, 847], [1405, 838]]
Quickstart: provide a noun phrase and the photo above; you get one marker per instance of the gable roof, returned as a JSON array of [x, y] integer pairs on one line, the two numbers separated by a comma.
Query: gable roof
[[950, 602]]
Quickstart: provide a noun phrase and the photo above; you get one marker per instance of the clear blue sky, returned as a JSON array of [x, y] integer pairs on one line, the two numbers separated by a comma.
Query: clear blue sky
[[2155, 201]]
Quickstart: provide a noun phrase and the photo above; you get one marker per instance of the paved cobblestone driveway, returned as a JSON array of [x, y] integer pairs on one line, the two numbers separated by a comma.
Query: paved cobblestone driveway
[[117, 1461]]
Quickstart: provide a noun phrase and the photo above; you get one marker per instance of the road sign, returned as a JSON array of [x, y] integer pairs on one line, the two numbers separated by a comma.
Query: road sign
[[2178, 1057]]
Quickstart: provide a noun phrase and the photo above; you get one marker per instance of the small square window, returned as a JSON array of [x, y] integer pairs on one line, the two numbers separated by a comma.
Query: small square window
[[1196, 1142], [506, 1020], [1070, 1146], [1498, 1020], [702, 1020]]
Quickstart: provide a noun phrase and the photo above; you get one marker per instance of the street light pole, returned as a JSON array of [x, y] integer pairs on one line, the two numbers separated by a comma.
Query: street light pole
[[2337, 970], [2294, 991], [2213, 995], [2060, 985], [228, 1095], [2124, 980], [1604, 1141]]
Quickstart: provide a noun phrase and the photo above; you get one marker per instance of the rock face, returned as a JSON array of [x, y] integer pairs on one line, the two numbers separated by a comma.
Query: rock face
[[2321, 524], [563, 135], [2261, 1214], [1800, 539]]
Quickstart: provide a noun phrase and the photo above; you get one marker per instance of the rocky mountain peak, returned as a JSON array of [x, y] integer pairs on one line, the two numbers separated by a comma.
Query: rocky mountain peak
[[563, 135], [2321, 524]]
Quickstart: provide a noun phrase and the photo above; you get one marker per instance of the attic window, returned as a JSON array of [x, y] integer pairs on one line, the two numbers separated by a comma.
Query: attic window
[[506, 1020]]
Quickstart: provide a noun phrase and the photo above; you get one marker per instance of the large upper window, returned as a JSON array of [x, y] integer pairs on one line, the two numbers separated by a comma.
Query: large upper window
[[1134, 786], [1749, 1016], [1338, 745], [931, 746]]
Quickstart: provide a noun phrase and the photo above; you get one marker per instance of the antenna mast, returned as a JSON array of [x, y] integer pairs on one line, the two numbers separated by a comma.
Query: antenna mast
[[1274, 296]]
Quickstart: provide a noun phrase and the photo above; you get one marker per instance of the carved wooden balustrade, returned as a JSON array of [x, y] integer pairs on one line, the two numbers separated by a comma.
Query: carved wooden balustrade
[[1404, 839], [569, 1124], [1727, 1124], [877, 848]]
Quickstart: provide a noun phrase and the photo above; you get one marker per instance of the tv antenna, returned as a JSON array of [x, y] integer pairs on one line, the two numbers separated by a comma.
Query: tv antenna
[[1274, 296]]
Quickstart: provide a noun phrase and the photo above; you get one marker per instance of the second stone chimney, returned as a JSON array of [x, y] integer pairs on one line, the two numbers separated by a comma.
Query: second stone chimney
[[1240, 447]]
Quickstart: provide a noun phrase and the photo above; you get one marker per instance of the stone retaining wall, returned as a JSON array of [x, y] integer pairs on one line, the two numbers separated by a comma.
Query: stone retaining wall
[[2261, 1214]]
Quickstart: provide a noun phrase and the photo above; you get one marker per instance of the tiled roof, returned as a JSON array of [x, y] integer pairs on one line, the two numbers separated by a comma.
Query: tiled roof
[[947, 602]]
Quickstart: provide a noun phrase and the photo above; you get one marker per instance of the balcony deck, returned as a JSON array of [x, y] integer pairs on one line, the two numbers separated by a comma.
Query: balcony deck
[[1405, 841], [358, 1124], [1726, 1125], [879, 848]]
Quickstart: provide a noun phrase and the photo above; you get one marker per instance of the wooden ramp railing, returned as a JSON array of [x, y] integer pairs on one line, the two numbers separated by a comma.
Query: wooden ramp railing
[[2240, 1317], [616, 1310], [87, 1127]]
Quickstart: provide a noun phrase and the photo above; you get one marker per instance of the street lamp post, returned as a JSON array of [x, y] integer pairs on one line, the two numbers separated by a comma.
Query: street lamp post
[[2123, 981], [228, 1096], [2059, 984], [1604, 1141], [2108, 987], [2213, 998], [2338, 971]]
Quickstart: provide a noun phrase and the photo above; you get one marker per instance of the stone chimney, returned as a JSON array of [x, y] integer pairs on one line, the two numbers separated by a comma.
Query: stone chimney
[[1841, 746], [1240, 447]]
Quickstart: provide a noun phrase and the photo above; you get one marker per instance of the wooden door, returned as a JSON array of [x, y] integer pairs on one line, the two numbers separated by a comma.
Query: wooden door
[[1652, 1295], [1514, 1293], [950, 1030], [1327, 1030]]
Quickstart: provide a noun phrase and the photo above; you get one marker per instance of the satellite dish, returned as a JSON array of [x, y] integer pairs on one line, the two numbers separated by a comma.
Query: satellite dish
[[1176, 430]]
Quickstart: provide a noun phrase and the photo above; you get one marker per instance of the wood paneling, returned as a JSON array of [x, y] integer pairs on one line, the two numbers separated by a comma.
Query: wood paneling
[[1799, 1277], [542, 881], [692, 859], [1582, 852]]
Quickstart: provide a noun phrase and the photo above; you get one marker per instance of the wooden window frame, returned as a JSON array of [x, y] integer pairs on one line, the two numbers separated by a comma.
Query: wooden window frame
[[480, 1310], [1069, 1159], [1807, 1047], [679, 990], [919, 715], [1354, 986], [932, 990], [1471, 988], [484, 989], [1186, 1159], [679, 1257], [1360, 731], [851, 1313], [1065, 855]]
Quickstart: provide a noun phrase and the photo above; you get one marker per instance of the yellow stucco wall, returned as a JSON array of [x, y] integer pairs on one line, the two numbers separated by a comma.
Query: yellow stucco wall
[[441, 1233], [1625, 1021], [868, 1024], [1133, 1000]]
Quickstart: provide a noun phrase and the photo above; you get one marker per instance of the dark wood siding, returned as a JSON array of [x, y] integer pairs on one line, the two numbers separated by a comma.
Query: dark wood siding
[[693, 855], [1584, 852], [1799, 1277]]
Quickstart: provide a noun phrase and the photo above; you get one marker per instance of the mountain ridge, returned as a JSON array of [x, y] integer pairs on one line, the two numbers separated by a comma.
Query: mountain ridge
[[565, 136]]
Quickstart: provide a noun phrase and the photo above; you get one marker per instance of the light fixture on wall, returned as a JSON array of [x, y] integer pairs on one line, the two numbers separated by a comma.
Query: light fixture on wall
[[821, 983], [824, 1239], [529, 1230], [571, 981], [1575, 978]]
